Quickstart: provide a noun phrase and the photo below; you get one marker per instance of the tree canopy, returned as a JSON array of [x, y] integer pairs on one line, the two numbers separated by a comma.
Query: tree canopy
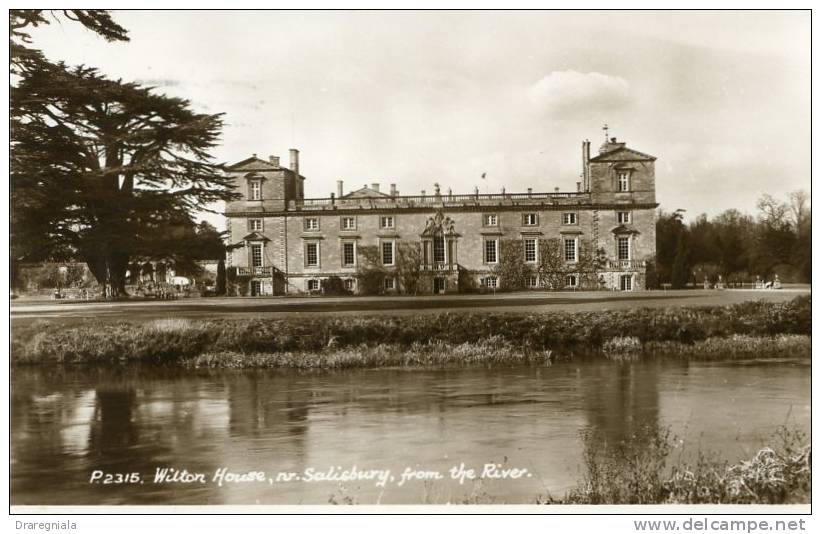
[[736, 246], [102, 168]]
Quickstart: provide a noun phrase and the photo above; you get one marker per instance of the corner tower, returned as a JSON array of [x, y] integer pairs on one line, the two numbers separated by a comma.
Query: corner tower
[[619, 175]]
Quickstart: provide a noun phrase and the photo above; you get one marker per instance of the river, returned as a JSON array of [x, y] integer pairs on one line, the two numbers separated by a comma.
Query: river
[[67, 423]]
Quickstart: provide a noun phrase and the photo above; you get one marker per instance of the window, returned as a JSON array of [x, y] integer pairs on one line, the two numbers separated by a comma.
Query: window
[[530, 250], [386, 222], [256, 255], [348, 254], [349, 284], [624, 181], [348, 223], [623, 244], [571, 280], [438, 249], [490, 219], [311, 223], [255, 190], [623, 217], [255, 225], [491, 251], [313, 284], [312, 254], [532, 281], [626, 282], [530, 219], [570, 249], [390, 283], [490, 281], [569, 218], [387, 252]]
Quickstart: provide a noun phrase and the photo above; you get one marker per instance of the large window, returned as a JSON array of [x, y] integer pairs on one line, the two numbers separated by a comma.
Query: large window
[[348, 223], [570, 249], [312, 254], [387, 222], [570, 218], [623, 244], [311, 223], [491, 251], [624, 181], [490, 219], [255, 190], [256, 255], [387, 253], [348, 254], [438, 249], [530, 219], [530, 250]]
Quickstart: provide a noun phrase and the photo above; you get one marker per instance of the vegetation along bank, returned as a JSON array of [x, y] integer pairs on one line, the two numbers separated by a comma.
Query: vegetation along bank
[[327, 341]]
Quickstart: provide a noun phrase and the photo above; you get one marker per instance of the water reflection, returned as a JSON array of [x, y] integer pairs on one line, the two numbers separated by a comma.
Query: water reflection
[[67, 422]]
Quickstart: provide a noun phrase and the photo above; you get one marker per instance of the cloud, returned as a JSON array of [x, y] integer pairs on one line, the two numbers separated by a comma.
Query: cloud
[[569, 93]]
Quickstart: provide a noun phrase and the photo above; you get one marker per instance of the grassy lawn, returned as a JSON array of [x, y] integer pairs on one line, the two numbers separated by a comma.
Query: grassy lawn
[[23, 311]]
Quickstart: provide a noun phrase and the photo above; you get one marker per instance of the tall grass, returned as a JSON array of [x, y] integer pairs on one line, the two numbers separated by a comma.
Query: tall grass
[[641, 470], [174, 341]]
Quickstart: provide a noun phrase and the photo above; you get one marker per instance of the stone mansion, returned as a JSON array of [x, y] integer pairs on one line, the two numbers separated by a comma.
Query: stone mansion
[[281, 242]]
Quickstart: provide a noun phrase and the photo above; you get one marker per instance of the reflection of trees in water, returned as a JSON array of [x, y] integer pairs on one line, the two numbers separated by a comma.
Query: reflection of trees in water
[[40, 407]]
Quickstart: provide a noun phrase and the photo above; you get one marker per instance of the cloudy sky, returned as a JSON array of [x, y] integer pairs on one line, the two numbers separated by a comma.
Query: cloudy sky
[[722, 99]]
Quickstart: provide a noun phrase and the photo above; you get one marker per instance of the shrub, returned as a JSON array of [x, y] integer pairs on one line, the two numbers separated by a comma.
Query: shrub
[[333, 285]]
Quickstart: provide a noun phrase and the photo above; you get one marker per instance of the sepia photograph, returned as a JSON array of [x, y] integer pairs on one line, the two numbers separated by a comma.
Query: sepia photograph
[[404, 260]]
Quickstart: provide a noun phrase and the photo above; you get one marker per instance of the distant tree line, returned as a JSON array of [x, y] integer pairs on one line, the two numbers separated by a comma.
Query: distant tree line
[[736, 246]]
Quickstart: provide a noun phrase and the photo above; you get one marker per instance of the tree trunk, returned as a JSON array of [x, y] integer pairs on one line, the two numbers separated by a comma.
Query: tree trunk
[[109, 271]]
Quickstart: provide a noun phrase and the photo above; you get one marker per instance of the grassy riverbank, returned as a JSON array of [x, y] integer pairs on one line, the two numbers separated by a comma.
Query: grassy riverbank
[[645, 470], [744, 329]]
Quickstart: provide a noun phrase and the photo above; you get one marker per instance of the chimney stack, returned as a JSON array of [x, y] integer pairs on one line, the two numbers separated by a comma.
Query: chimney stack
[[294, 160], [339, 188], [529, 191], [476, 190], [375, 187], [274, 160], [393, 190], [423, 192]]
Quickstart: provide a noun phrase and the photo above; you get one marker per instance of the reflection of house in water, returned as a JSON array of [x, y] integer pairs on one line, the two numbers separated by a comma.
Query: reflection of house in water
[[621, 401], [261, 404]]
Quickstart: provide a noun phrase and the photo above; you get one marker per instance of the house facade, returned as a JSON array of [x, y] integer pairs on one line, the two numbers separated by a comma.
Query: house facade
[[599, 236]]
